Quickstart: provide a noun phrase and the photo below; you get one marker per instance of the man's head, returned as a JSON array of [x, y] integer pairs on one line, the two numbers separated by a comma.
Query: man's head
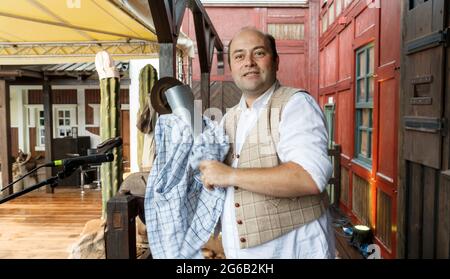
[[253, 61]]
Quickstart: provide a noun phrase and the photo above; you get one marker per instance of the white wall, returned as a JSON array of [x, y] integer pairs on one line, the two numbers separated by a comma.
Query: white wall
[[135, 68], [18, 97]]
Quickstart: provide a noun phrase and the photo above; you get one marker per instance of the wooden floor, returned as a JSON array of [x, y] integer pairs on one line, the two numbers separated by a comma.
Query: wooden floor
[[344, 250], [38, 225], [44, 226]]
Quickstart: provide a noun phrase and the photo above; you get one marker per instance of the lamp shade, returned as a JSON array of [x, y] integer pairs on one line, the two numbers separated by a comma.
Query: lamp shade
[[362, 235]]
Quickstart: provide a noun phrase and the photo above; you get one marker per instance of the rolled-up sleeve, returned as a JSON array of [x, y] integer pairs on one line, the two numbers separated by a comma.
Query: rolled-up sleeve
[[303, 138]]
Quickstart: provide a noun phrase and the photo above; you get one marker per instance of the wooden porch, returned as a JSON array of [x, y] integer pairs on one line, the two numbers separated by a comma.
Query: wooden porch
[[40, 225]]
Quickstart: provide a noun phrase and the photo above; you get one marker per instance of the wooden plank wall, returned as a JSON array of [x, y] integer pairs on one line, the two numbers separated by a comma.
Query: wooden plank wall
[[92, 96], [344, 198], [294, 53], [443, 215], [60, 96], [361, 199], [384, 219], [428, 212], [14, 141]]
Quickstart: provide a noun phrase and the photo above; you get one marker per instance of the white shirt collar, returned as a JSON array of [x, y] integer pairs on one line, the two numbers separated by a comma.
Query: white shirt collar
[[261, 101]]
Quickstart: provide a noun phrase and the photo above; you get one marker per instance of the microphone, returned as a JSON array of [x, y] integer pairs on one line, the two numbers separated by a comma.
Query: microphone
[[82, 160]]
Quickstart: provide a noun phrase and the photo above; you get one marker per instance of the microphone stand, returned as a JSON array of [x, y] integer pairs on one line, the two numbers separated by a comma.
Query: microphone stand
[[52, 181], [102, 148]]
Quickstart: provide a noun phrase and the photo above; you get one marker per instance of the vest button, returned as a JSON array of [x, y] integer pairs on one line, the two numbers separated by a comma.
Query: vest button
[[237, 156], [243, 239], [237, 204], [239, 222]]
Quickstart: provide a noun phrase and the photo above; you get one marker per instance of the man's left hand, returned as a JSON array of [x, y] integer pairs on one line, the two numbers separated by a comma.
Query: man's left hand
[[215, 173]]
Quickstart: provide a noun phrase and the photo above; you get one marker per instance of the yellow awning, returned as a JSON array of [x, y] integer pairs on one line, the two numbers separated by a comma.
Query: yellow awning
[[71, 30]]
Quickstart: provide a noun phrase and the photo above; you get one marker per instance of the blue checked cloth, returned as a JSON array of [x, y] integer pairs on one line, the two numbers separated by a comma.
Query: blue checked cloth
[[180, 213]]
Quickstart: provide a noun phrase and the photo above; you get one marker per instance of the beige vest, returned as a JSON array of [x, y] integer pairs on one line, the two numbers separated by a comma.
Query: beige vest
[[261, 218]]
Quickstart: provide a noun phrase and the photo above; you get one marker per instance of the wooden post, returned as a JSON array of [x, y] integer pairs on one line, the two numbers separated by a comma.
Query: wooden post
[[313, 48], [205, 90], [167, 60], [48, 117], [5, 136], [121, 224]]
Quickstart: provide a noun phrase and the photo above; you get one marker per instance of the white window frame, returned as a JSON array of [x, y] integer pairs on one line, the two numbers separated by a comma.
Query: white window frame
[[73, 119], [96, 115], [32, 121]]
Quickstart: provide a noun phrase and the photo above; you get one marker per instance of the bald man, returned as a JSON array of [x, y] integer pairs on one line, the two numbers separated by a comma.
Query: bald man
[[277, 169]]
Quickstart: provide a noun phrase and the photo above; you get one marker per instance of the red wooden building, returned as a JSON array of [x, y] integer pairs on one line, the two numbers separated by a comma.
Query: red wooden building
[[359, 85], [347, 54], [377, 68], [288, 21]]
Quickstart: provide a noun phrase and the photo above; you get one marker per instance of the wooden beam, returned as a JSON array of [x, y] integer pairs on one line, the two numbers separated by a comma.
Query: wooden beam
[[163, 20], [205, 42], [63, 82], [48, 119], [205, 90], [167, 17], [167, 60], [19, 73], [5, 136], [197, 7], [179, 11], [313, 48]]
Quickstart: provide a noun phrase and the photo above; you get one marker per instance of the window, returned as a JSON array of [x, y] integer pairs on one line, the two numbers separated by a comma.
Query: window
[[329, 116], [415, 3], [40, 137], [286, 31], [65, 120], [364, 103]]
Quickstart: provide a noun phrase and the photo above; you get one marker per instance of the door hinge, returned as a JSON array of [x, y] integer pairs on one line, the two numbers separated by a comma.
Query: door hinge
[[431, 40], [426, 124]]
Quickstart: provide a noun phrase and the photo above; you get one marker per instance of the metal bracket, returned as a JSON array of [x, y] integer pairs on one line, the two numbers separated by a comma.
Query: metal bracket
[[429, 41], [426, 124]]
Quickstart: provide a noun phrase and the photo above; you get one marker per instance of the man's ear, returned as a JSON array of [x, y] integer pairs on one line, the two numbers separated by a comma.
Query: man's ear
[[277, 63]]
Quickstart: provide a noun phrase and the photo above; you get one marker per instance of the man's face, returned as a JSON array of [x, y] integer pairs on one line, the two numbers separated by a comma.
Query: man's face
[[251, 63]]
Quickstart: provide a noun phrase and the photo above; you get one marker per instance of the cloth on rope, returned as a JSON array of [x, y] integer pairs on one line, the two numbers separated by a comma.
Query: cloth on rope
[[180, 213]]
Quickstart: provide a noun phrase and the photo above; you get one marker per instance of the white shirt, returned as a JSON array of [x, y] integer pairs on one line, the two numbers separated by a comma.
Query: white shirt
[[303, 140]]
